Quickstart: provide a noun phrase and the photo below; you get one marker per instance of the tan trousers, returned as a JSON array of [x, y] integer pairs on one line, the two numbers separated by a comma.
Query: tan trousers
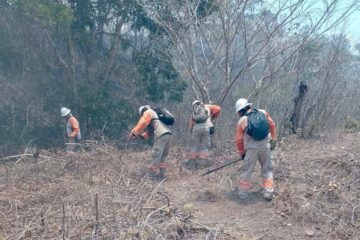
[[263, 156], [160, 151], [71, 145], [200, 144]]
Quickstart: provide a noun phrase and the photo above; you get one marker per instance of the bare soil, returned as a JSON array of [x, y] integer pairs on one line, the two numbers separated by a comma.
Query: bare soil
[[102, 193]]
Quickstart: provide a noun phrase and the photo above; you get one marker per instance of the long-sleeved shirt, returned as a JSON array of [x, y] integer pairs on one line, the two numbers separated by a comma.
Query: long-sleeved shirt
[[150, 119], [214, 112], [73, 128], [243, 140]]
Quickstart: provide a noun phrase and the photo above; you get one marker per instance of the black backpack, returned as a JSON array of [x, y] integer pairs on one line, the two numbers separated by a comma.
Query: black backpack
[[258, 125], [164, 115]]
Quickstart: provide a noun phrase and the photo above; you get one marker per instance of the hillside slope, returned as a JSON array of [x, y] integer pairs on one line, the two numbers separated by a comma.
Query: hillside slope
[[100, 194]]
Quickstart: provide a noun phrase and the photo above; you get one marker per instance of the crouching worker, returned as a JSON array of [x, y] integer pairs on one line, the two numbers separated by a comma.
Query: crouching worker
[[72, 130], [201, 128], [150, 124], [252, 140]]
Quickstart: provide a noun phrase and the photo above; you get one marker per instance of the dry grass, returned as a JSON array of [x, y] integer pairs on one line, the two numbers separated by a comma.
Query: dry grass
[[322, 193], [97, 194], [101, 193]]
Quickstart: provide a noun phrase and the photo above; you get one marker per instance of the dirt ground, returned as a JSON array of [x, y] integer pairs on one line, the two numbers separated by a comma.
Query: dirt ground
[[101, 193]]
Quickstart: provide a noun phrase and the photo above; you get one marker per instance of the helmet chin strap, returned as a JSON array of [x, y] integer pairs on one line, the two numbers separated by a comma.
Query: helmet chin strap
[[243, 111]]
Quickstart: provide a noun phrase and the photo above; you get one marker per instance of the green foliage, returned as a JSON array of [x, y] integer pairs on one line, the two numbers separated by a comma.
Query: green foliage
[[56, 54], [47, 12], [21, 128], [100, 111], [159, 77]]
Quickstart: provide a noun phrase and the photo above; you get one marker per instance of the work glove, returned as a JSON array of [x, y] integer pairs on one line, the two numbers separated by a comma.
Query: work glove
[[212, 130], [273, 144], [243, 157], [131, 136]]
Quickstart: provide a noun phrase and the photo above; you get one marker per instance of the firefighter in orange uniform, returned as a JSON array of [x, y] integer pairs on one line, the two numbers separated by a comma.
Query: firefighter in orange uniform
[[149, 124], [253, 147]]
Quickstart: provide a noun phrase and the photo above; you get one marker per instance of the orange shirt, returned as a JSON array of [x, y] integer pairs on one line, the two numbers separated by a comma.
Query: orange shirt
[[75, 128], [140, 127]]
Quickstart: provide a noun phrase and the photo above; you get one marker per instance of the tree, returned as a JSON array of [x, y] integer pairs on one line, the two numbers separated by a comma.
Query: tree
[[238, 40], [95, 57]]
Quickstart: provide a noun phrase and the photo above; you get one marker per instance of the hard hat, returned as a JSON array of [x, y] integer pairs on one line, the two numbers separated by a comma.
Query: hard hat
[[64, 111], [143, 108], [196, 102], [241, 104]]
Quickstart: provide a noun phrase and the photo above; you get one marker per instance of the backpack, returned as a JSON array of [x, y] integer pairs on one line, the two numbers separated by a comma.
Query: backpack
[[164, 115], [200, 114], [258, 126]]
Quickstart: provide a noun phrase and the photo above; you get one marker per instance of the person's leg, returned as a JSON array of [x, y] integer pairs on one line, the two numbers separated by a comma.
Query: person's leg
[[166, 142], [195, 144], [194, 149], [70, 145], [205, 144], [157, 153], [251, 159], [266, 172]]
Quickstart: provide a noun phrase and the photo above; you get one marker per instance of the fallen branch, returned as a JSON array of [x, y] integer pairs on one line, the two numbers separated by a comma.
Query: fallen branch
[[352, 216], [17, 156]]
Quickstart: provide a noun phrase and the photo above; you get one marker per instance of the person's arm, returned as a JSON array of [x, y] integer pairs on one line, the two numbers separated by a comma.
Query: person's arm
[[272, 125], [142, 124], [74, 126], [240, 129], [191, 123], [145, 135], [214, 111]]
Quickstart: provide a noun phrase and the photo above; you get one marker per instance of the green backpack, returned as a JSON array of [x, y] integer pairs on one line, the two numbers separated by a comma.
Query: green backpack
[[200, 114], [258, 126]]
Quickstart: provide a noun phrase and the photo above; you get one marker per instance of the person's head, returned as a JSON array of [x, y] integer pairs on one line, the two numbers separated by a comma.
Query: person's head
[[142, 109], [65, 112], [241, 106]]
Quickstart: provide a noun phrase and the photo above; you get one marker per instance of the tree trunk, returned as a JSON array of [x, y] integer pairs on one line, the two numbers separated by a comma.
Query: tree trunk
[[298, 103]]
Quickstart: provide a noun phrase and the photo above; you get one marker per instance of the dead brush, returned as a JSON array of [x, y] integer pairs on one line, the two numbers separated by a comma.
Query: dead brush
[[329, 203], [96, 193]]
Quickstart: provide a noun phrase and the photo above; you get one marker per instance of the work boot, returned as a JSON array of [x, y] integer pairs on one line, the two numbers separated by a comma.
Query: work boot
[[204, 163], [162, 173], [151, 171], [268, 193], [192, 164], [243, 195], [157, 177]]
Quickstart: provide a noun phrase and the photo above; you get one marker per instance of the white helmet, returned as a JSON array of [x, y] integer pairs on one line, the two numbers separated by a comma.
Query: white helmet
[[143, 108], [196, 102], [64, 111], [241, 104]]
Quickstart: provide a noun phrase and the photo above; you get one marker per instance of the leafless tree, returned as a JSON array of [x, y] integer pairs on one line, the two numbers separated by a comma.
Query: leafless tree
[[219, 43]]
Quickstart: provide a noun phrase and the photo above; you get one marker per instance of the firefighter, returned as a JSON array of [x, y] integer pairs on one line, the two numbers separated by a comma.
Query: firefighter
[[150, 124], [255, 136], [201, 128], [72, 129]]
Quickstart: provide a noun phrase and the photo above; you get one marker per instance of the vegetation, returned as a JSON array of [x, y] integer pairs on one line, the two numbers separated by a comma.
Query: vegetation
[[104, 59]]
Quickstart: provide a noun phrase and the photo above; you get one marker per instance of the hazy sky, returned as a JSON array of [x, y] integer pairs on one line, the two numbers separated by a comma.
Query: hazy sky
[[353, 27]]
